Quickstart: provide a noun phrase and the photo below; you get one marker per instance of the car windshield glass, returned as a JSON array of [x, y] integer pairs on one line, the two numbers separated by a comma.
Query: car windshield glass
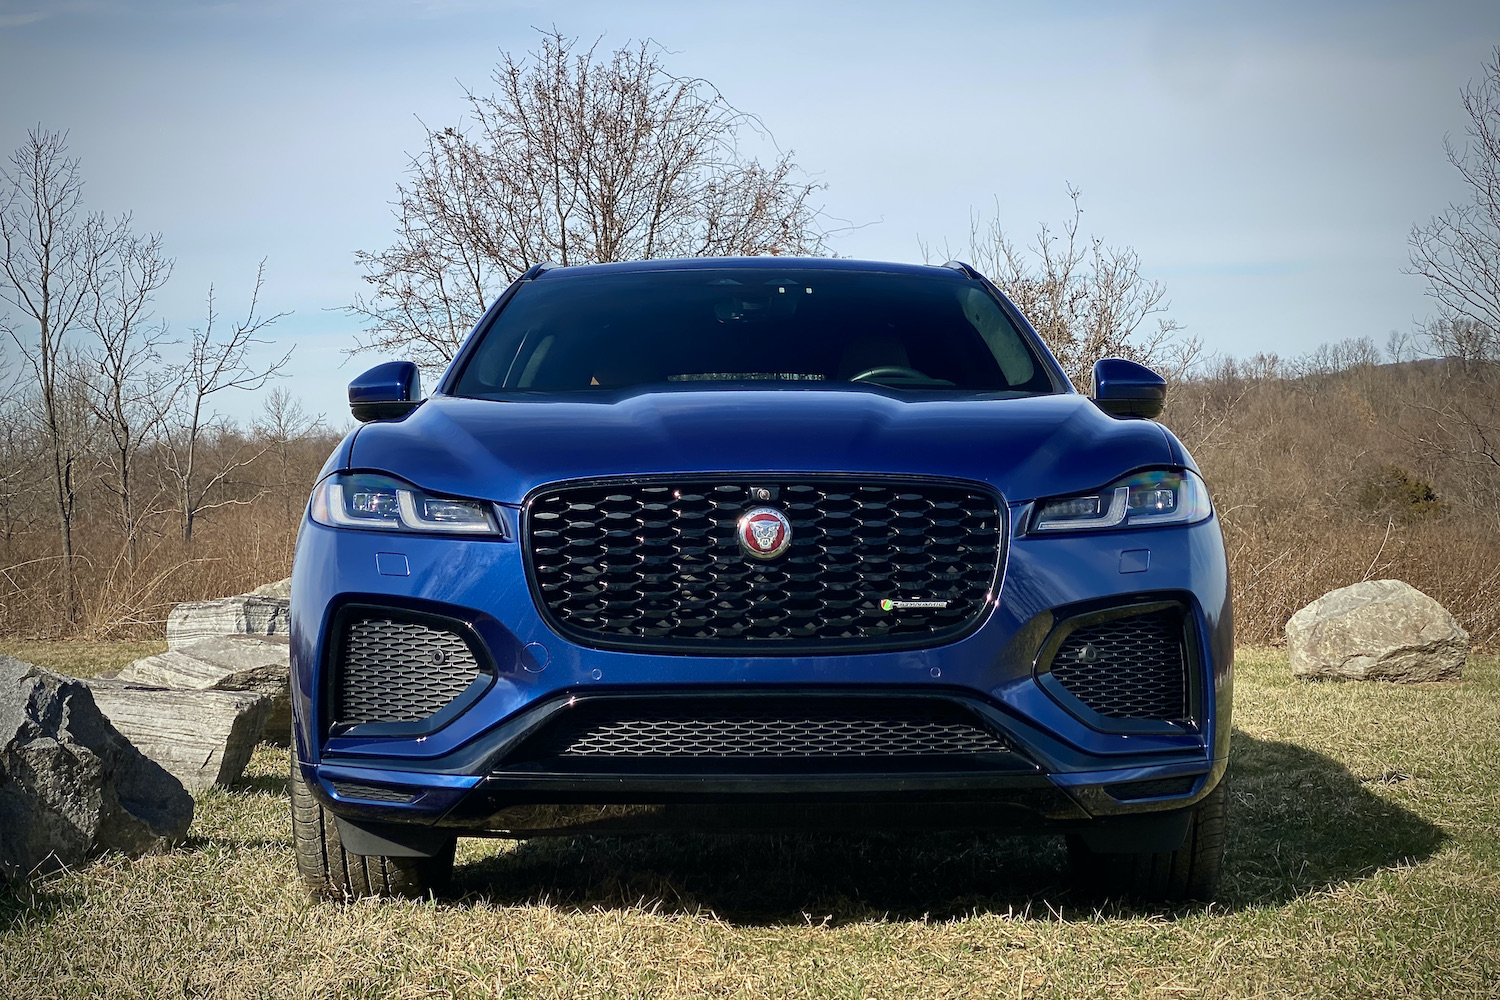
[[722, 328]]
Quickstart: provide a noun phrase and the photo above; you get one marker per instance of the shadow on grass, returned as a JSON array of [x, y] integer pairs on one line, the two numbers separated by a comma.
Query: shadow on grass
[[1299, 823]]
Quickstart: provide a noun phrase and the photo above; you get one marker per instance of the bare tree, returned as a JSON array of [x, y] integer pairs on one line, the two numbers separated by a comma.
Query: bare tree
[[282, 425], [1088, 300], [51, 256], [218, 360], [127, 377], [576, 159], [1458, 253]]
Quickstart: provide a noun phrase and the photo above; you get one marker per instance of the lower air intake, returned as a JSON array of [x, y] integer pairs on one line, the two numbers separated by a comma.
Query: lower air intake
[[1127, 668], [774, 730], [395, 670]]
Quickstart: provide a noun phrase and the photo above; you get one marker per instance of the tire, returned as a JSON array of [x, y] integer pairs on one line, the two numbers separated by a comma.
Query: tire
[[330, 872], [1190, 873]]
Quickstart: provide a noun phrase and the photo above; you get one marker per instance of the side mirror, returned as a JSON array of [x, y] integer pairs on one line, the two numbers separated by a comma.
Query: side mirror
[[1125, 389], [386, 391]]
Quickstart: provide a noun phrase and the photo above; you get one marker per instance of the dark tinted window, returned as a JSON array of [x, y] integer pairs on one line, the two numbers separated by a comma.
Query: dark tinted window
[[728, 327]]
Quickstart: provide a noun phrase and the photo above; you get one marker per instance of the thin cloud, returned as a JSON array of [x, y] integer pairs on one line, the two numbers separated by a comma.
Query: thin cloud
[[16, 20]]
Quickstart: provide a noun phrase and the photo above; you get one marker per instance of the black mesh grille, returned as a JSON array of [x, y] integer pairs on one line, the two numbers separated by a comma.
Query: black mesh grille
[[1132, 790], [660, 563], [371, 793], [1127, 668], [770, 730], [400, 671]]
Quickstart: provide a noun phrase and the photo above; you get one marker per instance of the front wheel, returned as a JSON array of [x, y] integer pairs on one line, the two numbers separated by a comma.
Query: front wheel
[[331, 872], [1189, 873]]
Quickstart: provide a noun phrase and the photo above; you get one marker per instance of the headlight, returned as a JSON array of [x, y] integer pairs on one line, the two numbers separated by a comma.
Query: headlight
[[381, 503], [1143, 500]]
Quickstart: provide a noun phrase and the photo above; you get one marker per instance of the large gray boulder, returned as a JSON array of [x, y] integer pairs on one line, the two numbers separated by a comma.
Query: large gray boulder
[[259, 664], [202, 738], [1379, 630], [245, 614], [70, 785]]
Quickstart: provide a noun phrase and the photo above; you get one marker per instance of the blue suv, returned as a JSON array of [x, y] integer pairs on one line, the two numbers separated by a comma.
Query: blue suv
[[759, 543]]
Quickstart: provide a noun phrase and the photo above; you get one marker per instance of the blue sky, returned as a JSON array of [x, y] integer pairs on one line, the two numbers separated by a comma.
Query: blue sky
[[1267, 160]]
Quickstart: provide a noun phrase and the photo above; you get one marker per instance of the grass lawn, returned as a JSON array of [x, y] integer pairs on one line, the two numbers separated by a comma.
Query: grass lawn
[[1364, 861], [80, 659]]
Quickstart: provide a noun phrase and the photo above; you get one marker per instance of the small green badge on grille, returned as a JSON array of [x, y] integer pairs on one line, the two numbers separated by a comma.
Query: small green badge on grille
[[889, 605]]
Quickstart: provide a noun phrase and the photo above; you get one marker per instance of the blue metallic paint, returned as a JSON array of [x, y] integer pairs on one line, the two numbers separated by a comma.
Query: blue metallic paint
[[1026, 448]]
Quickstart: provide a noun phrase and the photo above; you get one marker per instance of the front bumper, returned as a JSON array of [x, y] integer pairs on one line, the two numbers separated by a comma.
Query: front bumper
[[1062, 770]]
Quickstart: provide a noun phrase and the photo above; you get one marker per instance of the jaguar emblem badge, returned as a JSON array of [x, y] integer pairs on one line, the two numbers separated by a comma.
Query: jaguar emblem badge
[[764, 532]]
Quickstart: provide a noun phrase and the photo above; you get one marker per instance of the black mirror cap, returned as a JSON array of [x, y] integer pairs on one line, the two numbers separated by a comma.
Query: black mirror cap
[[1125, 389], [386, 392]]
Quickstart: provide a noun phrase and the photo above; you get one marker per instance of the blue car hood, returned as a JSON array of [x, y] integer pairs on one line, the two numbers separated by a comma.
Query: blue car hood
[[501, 450]]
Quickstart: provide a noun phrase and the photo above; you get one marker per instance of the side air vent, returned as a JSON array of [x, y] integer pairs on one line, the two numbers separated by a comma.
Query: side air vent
[[1130, 666], [371, 793], [1130, 791], [391, 669]]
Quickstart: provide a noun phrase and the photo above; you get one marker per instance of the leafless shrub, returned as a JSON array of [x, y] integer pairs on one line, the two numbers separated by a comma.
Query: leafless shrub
[[578, 159], [1321, 479], [52, 257], [1088, 300], [1458, 253], [218, 360]]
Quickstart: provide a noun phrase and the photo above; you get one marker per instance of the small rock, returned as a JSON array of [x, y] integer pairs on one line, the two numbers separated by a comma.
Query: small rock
[[246, 614], [259, 664], [70, 785], [1383, 630], [202, 738], [281, 589]]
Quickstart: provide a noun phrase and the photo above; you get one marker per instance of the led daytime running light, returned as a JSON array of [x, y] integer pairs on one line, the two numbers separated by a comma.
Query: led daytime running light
[[331, 505], [1143, 500]]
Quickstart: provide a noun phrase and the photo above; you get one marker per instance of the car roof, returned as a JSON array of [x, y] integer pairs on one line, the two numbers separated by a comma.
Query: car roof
[[768, 263]]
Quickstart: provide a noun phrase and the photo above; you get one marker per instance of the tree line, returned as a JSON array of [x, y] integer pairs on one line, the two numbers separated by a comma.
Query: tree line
[[111, 425]]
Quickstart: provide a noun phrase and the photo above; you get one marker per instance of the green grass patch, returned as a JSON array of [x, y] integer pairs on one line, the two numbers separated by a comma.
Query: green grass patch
[[1364, 861], [79, 658]]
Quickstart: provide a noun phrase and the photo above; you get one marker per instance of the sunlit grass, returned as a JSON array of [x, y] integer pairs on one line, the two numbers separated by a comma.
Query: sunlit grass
[[1364, 862]]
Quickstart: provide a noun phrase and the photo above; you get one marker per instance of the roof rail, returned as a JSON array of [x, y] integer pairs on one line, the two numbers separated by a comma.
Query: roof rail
[[537, 270], [965, 269]]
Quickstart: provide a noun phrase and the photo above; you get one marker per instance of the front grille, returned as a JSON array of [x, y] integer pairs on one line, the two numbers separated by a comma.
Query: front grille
[[1127, 668], [399, 671], [769, 729], [660, 564]]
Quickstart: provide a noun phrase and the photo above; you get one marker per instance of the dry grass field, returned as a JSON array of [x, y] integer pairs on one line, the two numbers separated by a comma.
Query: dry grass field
[[1364, 862]]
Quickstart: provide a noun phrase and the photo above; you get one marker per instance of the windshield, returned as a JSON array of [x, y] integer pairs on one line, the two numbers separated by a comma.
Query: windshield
[[722, 328]]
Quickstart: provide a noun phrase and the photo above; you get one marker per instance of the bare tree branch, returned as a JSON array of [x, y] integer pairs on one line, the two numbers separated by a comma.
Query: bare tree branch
[[50, 259], [1088, 300], [217, 361], [576, 158]]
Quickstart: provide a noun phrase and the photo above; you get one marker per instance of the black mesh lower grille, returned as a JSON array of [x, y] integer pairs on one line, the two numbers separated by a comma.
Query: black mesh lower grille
[[1129, 791], [781, 730], [1127, 668], [399, 671], [371, 793], [660, 563]]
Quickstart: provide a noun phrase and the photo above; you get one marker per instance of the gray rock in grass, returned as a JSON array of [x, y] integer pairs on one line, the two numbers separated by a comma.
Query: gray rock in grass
[[246, 614], [70, 785], [203, 738], [259, 664], [1379, 630]]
